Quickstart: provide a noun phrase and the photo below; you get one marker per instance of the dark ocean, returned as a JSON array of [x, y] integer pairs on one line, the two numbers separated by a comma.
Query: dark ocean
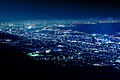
[[105, 28]]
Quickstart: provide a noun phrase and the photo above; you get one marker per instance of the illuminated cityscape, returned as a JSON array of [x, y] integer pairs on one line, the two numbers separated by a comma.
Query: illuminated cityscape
[[60, 39], [64, 43]]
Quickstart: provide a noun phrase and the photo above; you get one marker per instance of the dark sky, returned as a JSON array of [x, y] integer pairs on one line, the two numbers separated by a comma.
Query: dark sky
[[58, 9]]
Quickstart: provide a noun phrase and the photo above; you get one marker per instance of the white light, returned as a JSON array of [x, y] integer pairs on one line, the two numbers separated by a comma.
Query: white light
[[118, 43], [36, 30], [10, 30], [29, 27], [11, 24], [33, 54], [105, 34], [73, 41], [60, 46], [96, 64], [37, 52], [96, 51], [71, 57], [94, 34], [106, 39], [117, 61], [109, 42], [61, 25], [79, 53], [8, 40], [48, 51]]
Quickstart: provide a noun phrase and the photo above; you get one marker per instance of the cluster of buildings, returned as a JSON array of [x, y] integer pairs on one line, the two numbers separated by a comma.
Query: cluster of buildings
[[46, 41]]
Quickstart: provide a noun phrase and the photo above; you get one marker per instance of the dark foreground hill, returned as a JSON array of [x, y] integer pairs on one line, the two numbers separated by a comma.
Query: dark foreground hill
[[15, 64]]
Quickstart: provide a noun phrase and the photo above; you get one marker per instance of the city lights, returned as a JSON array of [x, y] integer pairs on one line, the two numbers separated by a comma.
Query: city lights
[[63, 41]]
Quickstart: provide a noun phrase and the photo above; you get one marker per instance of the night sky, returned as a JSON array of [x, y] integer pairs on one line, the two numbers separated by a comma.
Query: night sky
[[58, 9]]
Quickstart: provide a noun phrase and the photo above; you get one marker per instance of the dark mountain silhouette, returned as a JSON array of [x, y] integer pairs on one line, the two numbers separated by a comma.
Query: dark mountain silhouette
[[8, 36]]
